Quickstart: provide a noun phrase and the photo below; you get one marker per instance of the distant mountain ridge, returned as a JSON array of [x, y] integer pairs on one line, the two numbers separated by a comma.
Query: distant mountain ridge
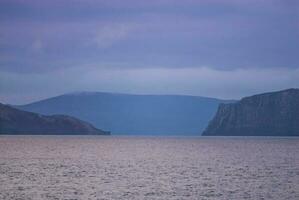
[[268, 114], [15, 121], [134, 114]]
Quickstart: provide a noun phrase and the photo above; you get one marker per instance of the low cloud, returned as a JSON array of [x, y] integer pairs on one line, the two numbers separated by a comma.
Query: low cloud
[[232, 84], [47, 47]]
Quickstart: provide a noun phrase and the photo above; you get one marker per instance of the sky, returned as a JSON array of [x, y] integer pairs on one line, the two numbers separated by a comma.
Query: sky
[[217, 48]]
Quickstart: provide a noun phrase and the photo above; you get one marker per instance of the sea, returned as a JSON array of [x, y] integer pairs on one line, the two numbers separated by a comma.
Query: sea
[[136, 167]]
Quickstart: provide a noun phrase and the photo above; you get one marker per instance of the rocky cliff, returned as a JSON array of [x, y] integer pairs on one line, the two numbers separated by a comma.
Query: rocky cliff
[[14, 121], [269, 114]]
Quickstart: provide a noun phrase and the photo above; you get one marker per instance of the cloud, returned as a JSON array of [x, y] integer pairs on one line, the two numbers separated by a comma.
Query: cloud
[[172, 34], [147, 47], [204, 81], [37, 45], [110, 34]]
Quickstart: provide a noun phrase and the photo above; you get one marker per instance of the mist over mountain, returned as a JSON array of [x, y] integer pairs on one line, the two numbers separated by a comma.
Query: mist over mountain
[[134, 114], [15, 121], [268, 114]]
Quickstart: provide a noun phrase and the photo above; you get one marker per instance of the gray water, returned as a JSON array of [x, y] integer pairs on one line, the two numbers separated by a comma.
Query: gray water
[[78, 167]]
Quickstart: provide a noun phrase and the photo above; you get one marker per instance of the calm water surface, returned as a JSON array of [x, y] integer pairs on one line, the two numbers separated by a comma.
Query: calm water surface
[[74, 167]]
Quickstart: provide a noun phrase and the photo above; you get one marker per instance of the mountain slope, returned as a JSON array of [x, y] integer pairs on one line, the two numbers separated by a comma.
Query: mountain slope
[[269, 114], [14, 121], [134, 114]]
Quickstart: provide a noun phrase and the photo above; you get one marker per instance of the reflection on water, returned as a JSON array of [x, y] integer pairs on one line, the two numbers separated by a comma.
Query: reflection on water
[[36, 167]]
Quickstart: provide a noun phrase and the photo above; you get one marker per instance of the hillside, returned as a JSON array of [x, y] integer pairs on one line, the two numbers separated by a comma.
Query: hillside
[[14, 121], [134, 114]]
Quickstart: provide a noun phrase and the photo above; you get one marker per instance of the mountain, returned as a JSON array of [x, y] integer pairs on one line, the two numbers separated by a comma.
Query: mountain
[[14, 121], [269, 114], [134, 114]]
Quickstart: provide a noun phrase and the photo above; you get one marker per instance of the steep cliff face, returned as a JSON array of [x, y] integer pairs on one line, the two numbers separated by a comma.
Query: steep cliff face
[[14, 121], [269, 114]]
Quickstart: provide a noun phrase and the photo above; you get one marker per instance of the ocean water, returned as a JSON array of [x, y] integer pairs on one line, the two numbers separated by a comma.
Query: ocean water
[[97, 167]]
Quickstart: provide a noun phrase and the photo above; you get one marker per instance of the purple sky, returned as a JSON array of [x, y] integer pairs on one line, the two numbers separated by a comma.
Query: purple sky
[[218, 48]]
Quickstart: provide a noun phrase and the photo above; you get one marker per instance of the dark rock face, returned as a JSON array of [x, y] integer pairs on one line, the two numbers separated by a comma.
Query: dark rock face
[[269, 114], [14, 121]]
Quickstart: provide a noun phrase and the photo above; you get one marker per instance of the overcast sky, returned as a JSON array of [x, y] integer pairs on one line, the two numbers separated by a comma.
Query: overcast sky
[[218, 48]]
